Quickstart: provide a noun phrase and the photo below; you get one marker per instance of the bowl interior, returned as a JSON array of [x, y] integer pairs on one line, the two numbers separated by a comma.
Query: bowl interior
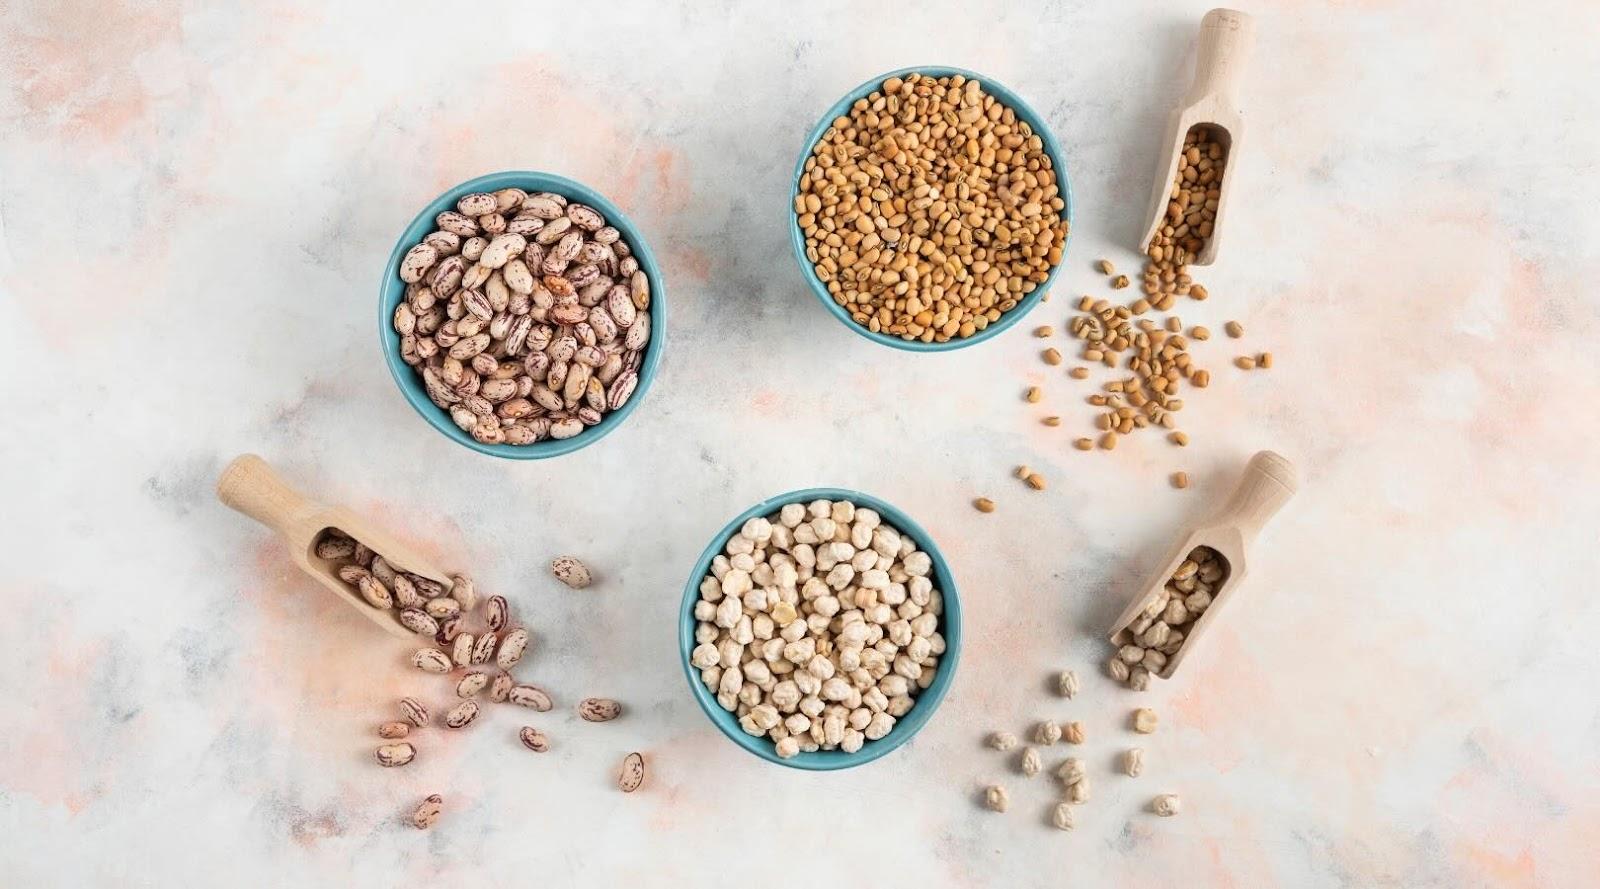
[[927, 701], [1024, 112], [393, 290]]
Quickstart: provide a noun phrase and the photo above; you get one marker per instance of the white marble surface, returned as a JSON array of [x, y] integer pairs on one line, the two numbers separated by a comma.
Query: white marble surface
[[195, 206]]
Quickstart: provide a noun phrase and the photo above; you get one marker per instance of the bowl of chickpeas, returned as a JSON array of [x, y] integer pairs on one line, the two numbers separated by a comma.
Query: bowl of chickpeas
[[820, 629]]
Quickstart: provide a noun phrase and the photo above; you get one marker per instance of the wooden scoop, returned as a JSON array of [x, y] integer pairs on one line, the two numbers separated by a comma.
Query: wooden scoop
[[252, 487], [1226, 37], [1269, 481]]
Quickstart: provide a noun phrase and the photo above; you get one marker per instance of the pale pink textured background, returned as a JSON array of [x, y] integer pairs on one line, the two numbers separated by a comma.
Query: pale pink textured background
[[195, 205]]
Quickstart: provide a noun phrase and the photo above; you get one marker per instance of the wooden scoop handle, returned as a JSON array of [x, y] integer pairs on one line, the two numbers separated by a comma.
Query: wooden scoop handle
[[1226, 38], [1268, 483], [251, 486]]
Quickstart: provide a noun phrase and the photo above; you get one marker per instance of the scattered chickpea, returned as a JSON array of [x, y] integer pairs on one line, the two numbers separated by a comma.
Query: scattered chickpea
[[1051, 357], [1030, 763], [1166, 805], [995, 798], [1072, 733], [1145, 720], [984, 504], [1078, 791], [1133, 762], [1061, 816], [1180, 480], [1234, 329]]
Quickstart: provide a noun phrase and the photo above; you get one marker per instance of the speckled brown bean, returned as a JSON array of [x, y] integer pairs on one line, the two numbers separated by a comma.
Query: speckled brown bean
[[599, 709], [461, 715], [632, 775], [392, 755], [512, 648], [414, 712], [500, 688], [497, 612], [427, 813], [571, 572], [533, 739]]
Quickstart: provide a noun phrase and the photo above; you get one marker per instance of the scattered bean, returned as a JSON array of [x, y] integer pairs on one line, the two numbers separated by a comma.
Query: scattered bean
[[427, 812], [1002, 741], [995, 798], [1145, 721], [1061, 816]]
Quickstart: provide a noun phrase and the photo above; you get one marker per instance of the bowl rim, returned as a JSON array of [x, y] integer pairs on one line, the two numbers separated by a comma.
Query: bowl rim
[[392, 290], [928, 700], [1024, 111]]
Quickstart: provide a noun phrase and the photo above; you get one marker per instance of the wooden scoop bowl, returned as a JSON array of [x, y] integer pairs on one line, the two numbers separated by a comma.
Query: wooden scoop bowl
[[1226, 37], [1268, 483], [252, 487]]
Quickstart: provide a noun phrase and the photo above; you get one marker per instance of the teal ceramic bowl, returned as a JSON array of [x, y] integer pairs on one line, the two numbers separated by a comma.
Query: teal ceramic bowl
[[1024, 112], [927, 701], [393, 290]]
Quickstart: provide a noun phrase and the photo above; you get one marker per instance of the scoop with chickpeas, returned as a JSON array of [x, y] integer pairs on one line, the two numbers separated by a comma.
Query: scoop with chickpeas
[[818, 626]]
